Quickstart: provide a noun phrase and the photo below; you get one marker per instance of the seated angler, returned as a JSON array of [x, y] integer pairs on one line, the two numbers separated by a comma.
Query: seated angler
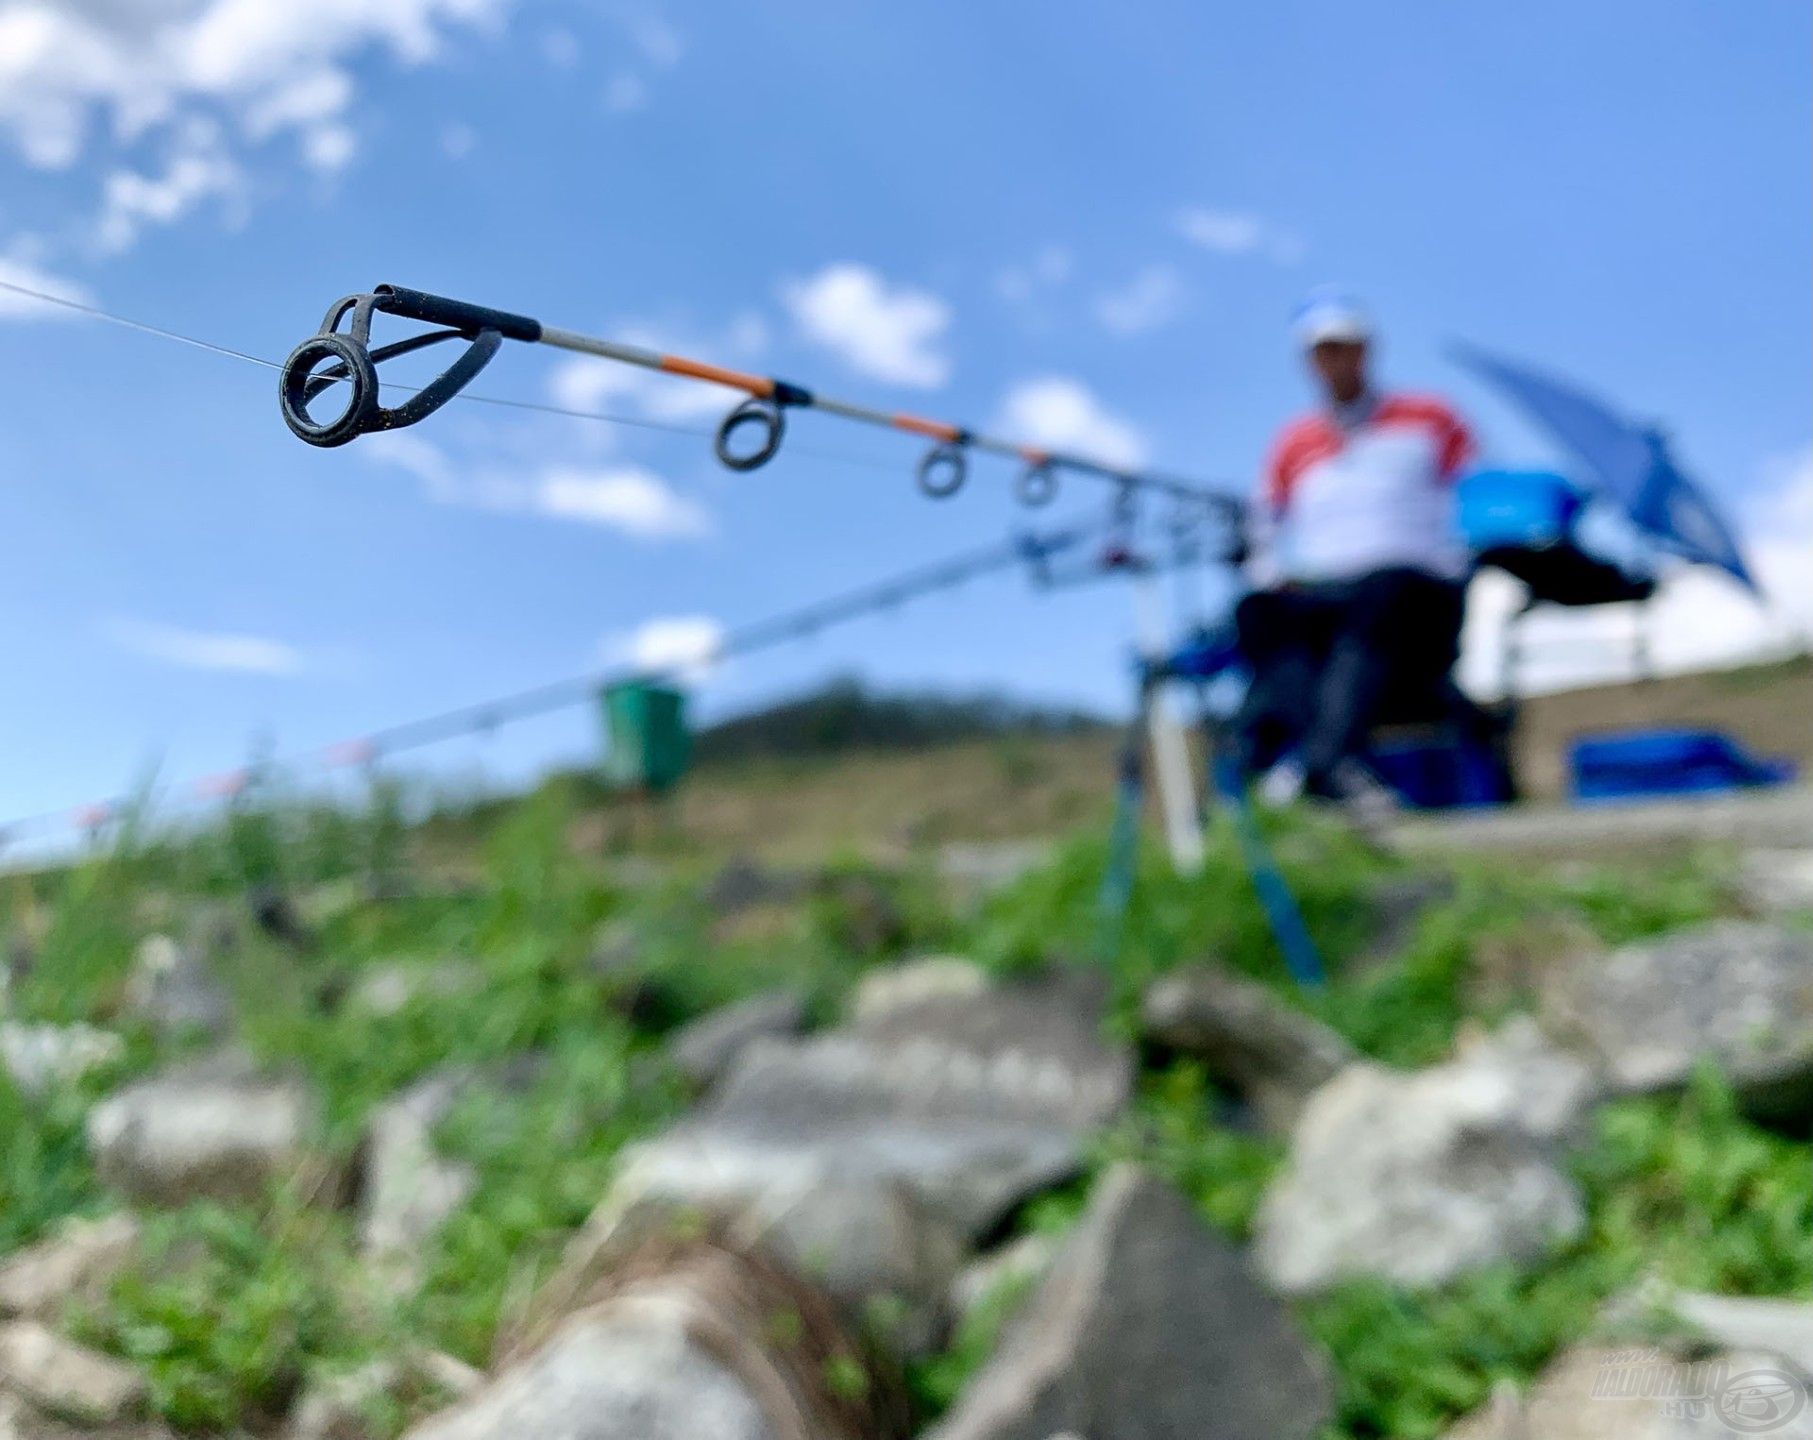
[[1358, 565]]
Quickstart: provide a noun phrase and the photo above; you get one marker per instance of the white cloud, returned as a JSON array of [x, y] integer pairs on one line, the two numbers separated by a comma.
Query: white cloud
[[1059, 413], [458, 140], [1699, 620], [14, 306], [75, 70], [1237, 232], [329, 147], [625, 94], [589, 384], [206, 650], [1153, 298], [624, 498], [312, 98], [198, 170], [560, 48], [412, 454], [659, 42], [890, 333], [682, 645], [1046, 271]]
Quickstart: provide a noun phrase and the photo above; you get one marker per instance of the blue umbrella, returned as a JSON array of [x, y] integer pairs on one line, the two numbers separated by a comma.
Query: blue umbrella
[[1630, 462]]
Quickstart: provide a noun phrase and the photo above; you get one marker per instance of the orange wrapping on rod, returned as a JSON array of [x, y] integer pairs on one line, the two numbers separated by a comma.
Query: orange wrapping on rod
[[931, 429], [699, 370]]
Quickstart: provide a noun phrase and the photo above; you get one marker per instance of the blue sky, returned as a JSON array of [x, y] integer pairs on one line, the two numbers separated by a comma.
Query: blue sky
[[1086, 223]]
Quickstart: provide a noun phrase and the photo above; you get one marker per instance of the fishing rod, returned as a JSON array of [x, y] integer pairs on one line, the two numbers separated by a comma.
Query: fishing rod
[[1029, 548], [750, 435]]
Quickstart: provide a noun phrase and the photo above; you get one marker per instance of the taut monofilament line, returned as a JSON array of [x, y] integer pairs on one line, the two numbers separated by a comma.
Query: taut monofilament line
[[749, 436]]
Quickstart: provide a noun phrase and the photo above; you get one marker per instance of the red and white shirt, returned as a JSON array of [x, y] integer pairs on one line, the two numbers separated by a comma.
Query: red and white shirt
[[1344, 495]]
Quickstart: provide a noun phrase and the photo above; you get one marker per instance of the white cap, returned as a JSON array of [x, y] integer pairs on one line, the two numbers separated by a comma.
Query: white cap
[[1330, 314]]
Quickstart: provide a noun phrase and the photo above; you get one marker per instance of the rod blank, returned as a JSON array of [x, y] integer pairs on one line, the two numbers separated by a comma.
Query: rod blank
[[483, 327]]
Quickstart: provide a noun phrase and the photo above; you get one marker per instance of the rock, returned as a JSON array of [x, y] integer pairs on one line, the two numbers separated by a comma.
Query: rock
[[743, 884], [1778, 882], [65, 1380], [1150, 1326], [687, 1342], [1738, 994], [355, 1405], [872, 1156], [975, 871], [1249, 1039], [1782, 1327], [41, 1058], [347, 1406], [618, 961], [176, 991], [212, 1129], [1414, 1178], [705, 1050], [934, 978], [22, 1421], [1398, 905], [278, 917], [407, 1189], [82, 1258], [861, 912], [871, 1245], [1645, 1393], [389, 989], [1022, 1263], [971, 1102], [1553, 1089], [448, 1373]]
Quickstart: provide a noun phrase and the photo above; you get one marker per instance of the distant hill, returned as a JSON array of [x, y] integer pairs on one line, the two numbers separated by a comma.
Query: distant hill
[[846, 715]]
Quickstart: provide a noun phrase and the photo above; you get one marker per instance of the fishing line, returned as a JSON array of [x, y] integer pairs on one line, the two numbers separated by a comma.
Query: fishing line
[[747, 438], [485, 716], [666, 427]]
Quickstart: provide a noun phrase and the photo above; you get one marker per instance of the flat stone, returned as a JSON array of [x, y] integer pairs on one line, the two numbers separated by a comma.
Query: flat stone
[[42, 1058], [66, 1380], [705, 1050], [1783, 1327], [743, 883], [211, 1129], [1247, 1038], [972, 1102], [390, 988], [917, 982], [1150, 1326], [696, 1344], [176, 990], [1734, 993], [1021, 1262], [1779, 882], [408, 1189], [977, 870], [349, 1405], [1398, 906], [81, 1258], [20, 1420], [1553, 1089], [1415, 1179]]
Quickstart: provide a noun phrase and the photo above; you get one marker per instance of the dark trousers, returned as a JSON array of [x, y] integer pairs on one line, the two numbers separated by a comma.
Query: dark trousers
[[1330, 659]]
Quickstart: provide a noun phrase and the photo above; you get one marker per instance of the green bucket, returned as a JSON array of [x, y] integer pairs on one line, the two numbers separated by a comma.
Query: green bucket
[[649, 745]]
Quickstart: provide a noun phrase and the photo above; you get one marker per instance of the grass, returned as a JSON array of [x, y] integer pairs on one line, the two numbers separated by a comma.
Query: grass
[[233, 1308]]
